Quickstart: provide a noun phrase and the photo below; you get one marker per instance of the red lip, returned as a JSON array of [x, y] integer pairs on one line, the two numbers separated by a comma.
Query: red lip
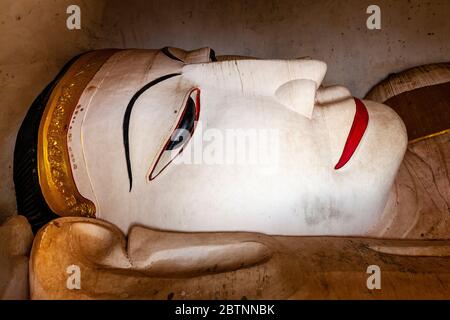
[[356, 133]]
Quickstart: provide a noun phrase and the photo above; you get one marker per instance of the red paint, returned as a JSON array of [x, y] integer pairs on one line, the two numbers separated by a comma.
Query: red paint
[[356, 133]]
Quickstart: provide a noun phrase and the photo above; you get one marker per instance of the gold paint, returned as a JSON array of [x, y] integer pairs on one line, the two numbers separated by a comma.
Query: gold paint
[[429, 136], [55, 174]]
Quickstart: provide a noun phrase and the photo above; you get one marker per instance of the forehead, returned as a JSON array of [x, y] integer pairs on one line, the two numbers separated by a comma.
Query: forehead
[[258, 77]]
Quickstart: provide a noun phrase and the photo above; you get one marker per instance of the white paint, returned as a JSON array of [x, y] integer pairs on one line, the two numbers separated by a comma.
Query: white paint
[[306, 196]]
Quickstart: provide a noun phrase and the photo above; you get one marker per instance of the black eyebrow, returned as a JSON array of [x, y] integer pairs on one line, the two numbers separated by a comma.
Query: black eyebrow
[[127, 115]]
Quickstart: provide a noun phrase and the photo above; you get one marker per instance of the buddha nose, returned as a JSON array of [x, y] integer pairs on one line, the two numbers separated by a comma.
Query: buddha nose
[[298, 96]]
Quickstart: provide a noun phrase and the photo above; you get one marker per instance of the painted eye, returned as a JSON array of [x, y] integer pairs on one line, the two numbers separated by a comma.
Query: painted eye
[[181, 135], [184, 128]]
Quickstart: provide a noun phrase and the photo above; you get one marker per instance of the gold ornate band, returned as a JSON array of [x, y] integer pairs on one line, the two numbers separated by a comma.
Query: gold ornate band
[[55, 174], [429, 136]]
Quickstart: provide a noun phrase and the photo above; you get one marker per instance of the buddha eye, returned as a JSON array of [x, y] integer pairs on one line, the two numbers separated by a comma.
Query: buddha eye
[[185, 127], [181, 135]]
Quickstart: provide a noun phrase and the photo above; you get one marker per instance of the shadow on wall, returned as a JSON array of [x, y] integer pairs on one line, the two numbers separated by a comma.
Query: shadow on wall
[[36, 43]]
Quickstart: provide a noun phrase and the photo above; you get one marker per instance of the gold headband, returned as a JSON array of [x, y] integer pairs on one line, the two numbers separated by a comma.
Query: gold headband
[[55, 174]]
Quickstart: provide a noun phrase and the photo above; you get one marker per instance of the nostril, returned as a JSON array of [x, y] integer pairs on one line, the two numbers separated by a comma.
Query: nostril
[[332, 94]]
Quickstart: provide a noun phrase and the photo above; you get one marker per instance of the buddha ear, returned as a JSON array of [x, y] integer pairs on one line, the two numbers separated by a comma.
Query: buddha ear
[[99, 243], [298, 95], [178, 255]]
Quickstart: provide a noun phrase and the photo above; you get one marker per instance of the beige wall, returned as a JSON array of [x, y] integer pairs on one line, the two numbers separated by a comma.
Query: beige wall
[[35, 43], [413, 32]]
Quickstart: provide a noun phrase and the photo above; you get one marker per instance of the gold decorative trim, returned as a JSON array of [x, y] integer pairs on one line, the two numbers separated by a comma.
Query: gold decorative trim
[[429, 136], [55, 174]]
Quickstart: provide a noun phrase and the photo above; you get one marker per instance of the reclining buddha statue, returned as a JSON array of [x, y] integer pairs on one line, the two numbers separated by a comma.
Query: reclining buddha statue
[[202, 162], [154, 138]]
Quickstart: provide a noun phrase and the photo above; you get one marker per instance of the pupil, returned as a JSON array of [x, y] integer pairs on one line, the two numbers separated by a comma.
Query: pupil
[[185, 126]]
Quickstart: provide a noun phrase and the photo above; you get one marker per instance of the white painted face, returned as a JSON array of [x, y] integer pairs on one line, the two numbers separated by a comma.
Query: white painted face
[[258, 151]]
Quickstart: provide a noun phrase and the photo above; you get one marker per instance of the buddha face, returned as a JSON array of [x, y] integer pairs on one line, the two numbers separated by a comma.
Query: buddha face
[[240, 145]]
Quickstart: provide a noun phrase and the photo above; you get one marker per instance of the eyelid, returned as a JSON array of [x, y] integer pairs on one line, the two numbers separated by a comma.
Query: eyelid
[[127, 116], [160, 157]]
